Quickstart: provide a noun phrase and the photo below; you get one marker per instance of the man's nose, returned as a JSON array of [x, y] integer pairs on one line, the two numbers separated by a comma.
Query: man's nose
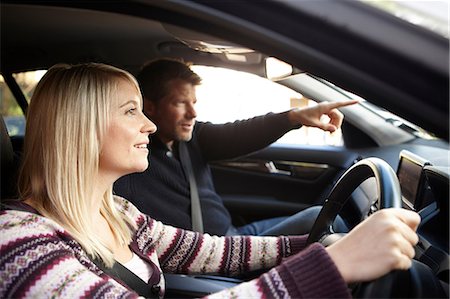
[[191, 111]]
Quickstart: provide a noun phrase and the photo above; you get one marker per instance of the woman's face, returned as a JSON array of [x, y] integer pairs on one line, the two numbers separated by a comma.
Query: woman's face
[[124, 148]]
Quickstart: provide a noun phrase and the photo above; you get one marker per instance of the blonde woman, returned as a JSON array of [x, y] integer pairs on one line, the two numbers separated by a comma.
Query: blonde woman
[[85, 130]]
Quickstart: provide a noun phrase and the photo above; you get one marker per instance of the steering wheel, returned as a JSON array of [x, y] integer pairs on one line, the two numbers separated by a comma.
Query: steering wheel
[[417, 282], [389, 194]]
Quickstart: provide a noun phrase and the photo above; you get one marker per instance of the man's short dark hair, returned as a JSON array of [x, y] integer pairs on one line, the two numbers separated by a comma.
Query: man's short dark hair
[[155, 76]]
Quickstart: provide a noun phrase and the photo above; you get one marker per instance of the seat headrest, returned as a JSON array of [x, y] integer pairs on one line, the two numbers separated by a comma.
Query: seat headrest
[[9, 166]]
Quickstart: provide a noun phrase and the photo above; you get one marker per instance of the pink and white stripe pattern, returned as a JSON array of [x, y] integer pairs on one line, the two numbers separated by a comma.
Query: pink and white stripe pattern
[[39, 259]]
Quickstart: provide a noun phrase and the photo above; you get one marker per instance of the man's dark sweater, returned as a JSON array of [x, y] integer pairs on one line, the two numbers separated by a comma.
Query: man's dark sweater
[[162, 191]]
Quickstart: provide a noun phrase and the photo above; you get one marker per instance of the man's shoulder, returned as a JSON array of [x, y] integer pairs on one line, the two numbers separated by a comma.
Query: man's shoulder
[[205, 128], [198, 127]]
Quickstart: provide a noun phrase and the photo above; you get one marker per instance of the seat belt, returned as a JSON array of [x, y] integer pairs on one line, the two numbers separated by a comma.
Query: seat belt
[[118, 270], [133, 281], [196, 211]]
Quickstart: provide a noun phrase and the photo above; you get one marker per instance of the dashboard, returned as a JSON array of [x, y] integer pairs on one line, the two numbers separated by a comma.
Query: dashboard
[[425, 189]]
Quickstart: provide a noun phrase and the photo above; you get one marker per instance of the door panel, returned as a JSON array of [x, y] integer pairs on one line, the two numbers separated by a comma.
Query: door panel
[[279, 180]]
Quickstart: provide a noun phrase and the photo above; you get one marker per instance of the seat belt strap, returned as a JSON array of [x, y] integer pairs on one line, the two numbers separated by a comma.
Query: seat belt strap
[[196, 211], [133, 281], [118, 270]]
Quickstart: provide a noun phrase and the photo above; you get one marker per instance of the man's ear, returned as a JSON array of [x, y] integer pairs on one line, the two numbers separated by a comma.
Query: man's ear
[[149, 107]]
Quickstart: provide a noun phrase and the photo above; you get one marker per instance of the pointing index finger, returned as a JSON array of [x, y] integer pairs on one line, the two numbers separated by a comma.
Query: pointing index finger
[[334, 105]]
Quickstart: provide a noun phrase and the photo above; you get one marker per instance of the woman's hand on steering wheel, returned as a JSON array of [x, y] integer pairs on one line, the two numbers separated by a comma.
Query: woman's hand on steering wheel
[[381, 243]]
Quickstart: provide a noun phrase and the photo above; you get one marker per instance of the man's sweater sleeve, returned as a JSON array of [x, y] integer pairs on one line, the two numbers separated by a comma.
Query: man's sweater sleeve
[[231, 140]]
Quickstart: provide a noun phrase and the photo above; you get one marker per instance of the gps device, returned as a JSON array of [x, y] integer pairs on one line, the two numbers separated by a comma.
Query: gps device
[[411, 177]]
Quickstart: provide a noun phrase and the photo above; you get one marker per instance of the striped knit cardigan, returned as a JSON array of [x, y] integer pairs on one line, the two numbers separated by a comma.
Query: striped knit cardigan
[[39, 259]]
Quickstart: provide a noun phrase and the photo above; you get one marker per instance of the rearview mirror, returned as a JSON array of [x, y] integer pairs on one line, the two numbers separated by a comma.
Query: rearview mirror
[[277, 69]]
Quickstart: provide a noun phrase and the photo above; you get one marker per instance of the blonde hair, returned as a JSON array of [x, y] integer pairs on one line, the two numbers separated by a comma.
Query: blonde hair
[[67, 119]]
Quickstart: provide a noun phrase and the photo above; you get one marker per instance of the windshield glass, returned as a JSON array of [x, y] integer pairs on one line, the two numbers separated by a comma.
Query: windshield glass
[[430, 14], [386, 115]]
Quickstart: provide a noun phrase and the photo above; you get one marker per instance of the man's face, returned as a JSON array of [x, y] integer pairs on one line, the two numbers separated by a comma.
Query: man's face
[[174, 115]]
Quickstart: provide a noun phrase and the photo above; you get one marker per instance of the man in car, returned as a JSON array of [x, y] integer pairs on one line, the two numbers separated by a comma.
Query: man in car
[[163, 190]]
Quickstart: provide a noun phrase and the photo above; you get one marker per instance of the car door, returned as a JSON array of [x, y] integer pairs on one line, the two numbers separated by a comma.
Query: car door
[[279, 180]]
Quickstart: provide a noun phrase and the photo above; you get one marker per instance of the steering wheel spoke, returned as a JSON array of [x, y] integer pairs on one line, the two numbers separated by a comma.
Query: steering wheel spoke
[[388, 188]]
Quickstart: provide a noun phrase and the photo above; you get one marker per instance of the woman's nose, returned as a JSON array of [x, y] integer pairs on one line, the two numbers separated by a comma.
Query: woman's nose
[[148, 126]]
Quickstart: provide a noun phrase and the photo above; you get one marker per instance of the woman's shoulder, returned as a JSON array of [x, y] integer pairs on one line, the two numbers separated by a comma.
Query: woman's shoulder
[[143, 223], [22, 225], [126, 207], [22, 219]]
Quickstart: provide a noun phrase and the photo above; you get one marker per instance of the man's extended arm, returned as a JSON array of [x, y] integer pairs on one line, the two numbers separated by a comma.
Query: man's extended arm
[[231, 140], [242, 137]]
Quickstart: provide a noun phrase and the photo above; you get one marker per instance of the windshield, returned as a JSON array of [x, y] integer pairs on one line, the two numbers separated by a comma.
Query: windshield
[[430, 14], [386, 115]]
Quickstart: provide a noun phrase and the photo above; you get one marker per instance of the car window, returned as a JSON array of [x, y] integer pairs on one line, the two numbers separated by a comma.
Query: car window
[[226, 95], [27, 81], [10, 109]]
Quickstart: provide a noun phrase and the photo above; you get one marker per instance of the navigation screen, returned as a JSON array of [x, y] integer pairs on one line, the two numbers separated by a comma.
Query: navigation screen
[[409, 175]]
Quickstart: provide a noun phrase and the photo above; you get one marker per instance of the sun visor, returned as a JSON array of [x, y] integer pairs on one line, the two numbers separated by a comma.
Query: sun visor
[[205, 43]]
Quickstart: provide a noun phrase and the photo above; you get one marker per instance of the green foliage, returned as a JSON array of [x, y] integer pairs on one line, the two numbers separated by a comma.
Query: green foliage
[[8, 104]]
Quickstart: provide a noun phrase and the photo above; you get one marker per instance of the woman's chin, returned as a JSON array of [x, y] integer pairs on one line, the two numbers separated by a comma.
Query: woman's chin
[[144, 168]]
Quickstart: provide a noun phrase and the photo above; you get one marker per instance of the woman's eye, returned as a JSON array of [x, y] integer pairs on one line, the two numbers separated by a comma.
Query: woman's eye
[[131, 111]]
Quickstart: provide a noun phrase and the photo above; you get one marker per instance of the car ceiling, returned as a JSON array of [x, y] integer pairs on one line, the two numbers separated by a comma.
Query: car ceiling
[[126, 41], [71, 39], [127, 36]]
